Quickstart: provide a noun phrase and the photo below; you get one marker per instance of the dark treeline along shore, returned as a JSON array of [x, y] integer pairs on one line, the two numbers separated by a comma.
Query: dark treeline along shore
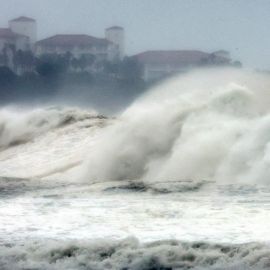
[[50, 79], [113, 86], [83, 69]]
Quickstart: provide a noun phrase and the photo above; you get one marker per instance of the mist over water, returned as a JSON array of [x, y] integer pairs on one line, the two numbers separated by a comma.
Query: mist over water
[[210, 124], [20, 124], [204, 125], [178, 180], [134, 144]]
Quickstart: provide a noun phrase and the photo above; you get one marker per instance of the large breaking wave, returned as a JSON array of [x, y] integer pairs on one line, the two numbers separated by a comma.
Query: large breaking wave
[[210, 124], [193, 130]]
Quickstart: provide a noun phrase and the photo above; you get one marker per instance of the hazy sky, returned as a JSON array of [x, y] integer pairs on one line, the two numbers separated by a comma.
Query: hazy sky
[[240, 26]]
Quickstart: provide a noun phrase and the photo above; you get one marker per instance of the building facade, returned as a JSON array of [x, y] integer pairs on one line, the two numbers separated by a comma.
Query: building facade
[[109, 48], [12, 40], [159, 64], [20, 36], [116, 36], [77, 45], [25, 26]]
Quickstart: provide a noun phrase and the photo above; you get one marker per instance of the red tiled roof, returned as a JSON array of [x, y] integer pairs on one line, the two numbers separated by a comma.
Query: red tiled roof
[[23, 19], [182, 57], [115, 28], [72, 40], [7, 33]]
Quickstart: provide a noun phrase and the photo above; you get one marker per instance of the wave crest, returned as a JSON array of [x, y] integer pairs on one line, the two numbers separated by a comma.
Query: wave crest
[[192, 127], [19, 126]]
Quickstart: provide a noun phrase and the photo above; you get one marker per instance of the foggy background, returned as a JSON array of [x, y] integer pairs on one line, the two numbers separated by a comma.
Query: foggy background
[[109, 161], [239, 26]]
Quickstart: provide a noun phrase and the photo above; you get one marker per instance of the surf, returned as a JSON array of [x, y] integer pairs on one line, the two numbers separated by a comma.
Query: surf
[[204, 125]]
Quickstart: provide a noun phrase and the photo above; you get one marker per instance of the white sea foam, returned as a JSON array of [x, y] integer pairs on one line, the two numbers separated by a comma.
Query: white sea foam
[[19, 125], [208, 124], [205, 125], [130, 254], [44, 142], [182, 136]]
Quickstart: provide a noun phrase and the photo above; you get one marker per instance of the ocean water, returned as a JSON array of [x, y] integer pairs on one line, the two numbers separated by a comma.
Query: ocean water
[[179, 180]]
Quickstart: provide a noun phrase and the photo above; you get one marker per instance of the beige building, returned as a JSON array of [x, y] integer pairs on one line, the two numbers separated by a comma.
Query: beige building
[[77, 45], [159, 64], [25, 26], [19, 36], [12, 40], [116, 36], [109, 48]]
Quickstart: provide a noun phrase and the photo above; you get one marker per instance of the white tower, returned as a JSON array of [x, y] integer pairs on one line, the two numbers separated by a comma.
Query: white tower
[[115, 34], [25, 26]]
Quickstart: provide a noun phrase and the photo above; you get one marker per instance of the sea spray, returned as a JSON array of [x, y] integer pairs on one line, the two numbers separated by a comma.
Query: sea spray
[[20, 125], [194, 126], [210, 125], [45, 142]]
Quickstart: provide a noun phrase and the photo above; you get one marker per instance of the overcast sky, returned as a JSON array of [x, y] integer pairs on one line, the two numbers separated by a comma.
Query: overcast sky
[[240, 26]]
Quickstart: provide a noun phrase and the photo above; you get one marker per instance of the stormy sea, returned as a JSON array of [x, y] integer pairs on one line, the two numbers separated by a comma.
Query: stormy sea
[[177, 180]]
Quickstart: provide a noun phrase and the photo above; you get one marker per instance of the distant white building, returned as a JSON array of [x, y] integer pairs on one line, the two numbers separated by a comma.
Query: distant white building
[[25, 26], [109, 48], [12, 40], [77, 45], [159, 64], [116, 36], [222, 53], [20, 36]]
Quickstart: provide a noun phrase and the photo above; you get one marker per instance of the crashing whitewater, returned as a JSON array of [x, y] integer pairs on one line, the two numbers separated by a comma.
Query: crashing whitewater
[[188, 161], [211, 125]]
